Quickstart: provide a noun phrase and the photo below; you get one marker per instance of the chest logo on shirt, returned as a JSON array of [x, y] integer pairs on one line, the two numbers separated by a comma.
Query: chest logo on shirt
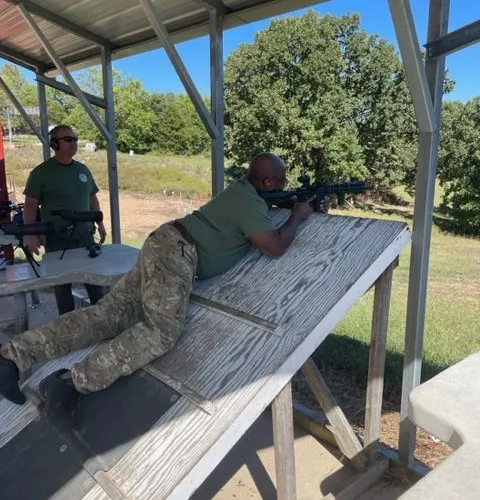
[[83, 177]]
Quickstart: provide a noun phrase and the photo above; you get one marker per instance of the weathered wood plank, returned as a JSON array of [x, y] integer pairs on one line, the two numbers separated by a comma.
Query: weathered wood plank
[[362, 481], [14, 418], [21, 311], [246, 318], [346, 438], [75, 267], [376, 367], [197, 399], [241, 369], [282, 421]]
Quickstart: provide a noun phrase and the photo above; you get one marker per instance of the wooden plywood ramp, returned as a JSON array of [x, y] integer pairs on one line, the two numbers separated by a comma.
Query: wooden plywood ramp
[[228, 367]]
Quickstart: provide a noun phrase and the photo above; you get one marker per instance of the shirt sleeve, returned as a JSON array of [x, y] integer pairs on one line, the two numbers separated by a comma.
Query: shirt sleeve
[[35, 184], [254, 217], [95, 189]]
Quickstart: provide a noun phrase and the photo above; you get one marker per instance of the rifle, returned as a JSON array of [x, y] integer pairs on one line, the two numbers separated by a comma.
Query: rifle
[[12, 234], [286, 198]]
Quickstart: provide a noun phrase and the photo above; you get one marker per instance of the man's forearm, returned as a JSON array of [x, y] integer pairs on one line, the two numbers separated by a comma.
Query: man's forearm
[[288, 230], [29, 213], [94, 203]]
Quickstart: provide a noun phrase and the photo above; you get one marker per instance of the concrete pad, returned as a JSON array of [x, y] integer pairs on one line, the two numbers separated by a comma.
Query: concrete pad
[[448, 407], [248, 471]]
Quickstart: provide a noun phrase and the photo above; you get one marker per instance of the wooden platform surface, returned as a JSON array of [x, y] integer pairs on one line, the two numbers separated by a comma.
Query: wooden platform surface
[[228, 371]]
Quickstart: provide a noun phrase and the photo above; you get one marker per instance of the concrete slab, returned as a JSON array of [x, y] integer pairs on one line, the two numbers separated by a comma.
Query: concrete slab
[[448, 407], [248, 471]]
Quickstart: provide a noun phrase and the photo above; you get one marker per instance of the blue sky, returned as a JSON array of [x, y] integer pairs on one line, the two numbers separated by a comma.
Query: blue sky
[[157, 74], [463, 66]]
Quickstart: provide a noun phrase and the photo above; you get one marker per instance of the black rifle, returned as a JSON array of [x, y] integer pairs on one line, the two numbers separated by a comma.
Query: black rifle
[[286, 198], [21, 230], [74, 217]]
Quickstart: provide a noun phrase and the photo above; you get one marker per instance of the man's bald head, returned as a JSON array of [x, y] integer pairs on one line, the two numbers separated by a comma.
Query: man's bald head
[[267, 171]]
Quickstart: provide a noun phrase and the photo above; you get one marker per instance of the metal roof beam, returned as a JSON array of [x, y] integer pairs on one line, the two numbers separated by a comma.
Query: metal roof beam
[[218, 5], [21, 59], [74, 28], [51, 82], [412, 60], [456, 40], [180, 68], [22, 111], [63, 69]]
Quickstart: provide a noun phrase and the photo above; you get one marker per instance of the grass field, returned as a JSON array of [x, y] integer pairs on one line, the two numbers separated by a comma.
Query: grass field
[[137, 173], [452, 328], [452, 324]]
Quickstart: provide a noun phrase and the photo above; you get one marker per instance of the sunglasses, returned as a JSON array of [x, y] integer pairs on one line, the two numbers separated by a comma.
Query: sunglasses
[[68, 138]]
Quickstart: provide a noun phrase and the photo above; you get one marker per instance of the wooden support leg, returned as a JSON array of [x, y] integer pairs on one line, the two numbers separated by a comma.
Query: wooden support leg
[[376, 367], [35, 298], [346, 438], [282, 416], [21, 311]]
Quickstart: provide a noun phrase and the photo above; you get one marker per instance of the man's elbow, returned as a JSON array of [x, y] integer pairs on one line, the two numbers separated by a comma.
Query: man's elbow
[[273, 252]]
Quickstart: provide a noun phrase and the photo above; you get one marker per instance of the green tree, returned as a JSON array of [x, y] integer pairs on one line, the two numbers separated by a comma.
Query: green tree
[[328, 97], [25, 93], [135, 121], [180, 130], [284, 93], [459, 163]]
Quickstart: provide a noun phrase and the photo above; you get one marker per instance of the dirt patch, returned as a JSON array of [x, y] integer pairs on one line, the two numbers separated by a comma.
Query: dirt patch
[[141, 213]]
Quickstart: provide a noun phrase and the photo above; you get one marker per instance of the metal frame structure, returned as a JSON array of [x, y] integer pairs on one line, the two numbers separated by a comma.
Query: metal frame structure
[[425, 81]]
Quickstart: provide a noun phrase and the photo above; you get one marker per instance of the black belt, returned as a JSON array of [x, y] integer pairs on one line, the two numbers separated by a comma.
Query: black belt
[[182, 230]]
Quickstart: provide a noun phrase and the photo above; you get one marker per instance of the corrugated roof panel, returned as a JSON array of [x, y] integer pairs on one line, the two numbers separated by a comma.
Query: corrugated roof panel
[[121, 22]]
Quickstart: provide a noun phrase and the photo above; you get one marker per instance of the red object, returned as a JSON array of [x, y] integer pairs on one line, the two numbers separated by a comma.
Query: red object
[[8, 250]]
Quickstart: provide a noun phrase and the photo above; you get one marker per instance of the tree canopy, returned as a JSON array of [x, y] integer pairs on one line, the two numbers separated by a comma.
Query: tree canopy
[[144, 120], [459, 163], [324, 94]]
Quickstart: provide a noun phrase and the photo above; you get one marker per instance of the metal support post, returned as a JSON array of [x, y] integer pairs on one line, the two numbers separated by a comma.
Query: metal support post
[[180, 68], [422, 227], [111, 144], [217, 99], [42, 104], [63, 69]]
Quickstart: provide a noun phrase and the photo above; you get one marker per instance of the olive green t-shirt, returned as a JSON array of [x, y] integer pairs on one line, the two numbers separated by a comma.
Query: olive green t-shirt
[[63, 187], [221, 228]]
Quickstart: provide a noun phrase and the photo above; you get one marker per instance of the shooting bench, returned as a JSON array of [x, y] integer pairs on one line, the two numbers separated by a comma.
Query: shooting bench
[[160, 432], [75, 267], [448, 407]]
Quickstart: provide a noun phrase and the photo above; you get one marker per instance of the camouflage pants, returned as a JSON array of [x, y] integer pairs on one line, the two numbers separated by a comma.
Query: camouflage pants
[[142, 317]]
